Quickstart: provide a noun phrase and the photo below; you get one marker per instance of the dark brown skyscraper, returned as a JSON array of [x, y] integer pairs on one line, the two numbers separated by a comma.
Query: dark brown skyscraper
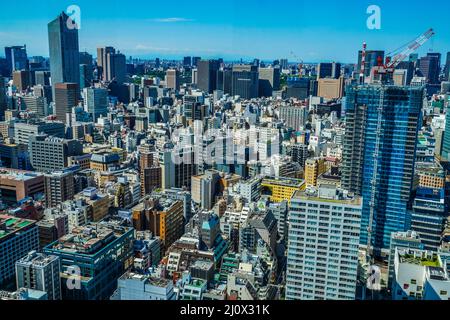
[[66, 97]]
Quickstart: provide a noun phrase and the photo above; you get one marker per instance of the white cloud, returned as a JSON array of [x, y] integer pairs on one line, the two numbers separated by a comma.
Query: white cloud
[[171, 20]]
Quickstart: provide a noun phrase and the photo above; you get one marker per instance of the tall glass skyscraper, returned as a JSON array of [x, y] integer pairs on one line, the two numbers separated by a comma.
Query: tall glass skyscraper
[[446, 142], [64, 50], [382, 124]]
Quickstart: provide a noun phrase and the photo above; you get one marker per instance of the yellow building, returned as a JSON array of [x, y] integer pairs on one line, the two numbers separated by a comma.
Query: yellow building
[[282, 189], [313, 169], [331, 88], [104, 161]]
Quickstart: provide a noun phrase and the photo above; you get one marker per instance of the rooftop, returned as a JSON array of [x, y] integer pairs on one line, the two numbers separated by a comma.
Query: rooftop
[[88, 239], [18, 175], [287, 182], [10, 225], [328, 193], [157, 282]]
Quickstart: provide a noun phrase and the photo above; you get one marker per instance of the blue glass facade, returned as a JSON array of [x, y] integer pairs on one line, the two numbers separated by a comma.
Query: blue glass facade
[[446, 142], [429, 216], [382, 128], [64, 51]]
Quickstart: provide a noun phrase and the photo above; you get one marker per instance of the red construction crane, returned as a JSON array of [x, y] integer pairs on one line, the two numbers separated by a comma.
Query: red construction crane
[[393, 59]]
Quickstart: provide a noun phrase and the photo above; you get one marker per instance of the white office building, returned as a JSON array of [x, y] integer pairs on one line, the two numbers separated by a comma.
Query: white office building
[[323, 238]]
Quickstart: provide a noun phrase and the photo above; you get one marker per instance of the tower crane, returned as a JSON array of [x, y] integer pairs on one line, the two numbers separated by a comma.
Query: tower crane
[[300, 61], [386, 69]]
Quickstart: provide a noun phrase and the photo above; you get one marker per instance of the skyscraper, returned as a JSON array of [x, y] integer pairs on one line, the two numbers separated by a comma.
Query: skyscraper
[[269, 81], [173, 79], [16, 58], [382, 124], [329, 70], [245, 81], [187, 61], [39, 272], [51, 153], [430, 67], [447, 67], [3, 104], [64, 51], [322, 257], [112, 64], [66, 97], [207, 75], [446, 143], [96, 102], [22, 80]]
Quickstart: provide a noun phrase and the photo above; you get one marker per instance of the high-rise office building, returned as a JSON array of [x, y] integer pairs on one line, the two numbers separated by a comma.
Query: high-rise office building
[[64, 51], [245, 81], [430, 67], [16, 58], [322, 256], [187, 61], [58, 187], [103, 251], [66, 97], [329, 70], [298, 88], [284, 64], [24, 131], [35, 104], [382, 124], [38, 271], [331, 88], [17, 238], [96, 102], [86, 58], [112, 64], [3, 102], [269, 81], [207, 75], [446, 140], [50, 153], [447, 67], [173, 79], [86, 76], [161, 215], [373, 59], [430, 207], [195, 61], [22, 80], [42, 78]]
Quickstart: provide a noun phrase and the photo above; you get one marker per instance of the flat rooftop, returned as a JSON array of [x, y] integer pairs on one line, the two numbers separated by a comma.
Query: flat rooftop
[[10, 225], [286, 182], [88, 239], [309, 195], [157, 282], [18, 175]]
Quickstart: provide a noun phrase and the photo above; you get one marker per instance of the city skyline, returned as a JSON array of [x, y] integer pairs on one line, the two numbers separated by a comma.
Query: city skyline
[[235, 30]]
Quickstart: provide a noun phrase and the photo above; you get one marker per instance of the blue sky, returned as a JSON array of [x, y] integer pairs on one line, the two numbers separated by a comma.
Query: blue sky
[[324, 30]]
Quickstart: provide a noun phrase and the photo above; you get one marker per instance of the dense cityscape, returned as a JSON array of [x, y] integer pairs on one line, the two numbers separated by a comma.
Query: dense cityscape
[[124, 178]]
